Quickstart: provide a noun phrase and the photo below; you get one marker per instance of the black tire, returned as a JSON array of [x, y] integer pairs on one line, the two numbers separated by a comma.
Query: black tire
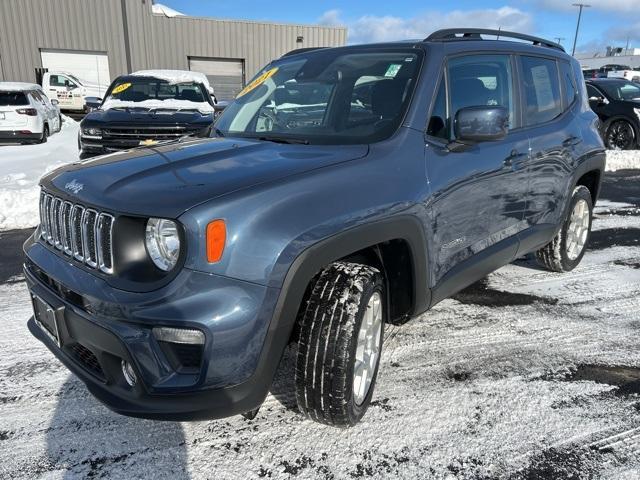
[[554, 255], [45, 134], [329, 327], [619, 134]]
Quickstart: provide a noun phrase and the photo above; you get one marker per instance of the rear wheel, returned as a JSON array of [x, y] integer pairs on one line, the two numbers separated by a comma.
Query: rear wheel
[[619, 135], [45, 133], [565, 251], [340, 343]]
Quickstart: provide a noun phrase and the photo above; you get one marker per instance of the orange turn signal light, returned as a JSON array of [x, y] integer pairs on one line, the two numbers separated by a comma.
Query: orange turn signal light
[[216, 239]]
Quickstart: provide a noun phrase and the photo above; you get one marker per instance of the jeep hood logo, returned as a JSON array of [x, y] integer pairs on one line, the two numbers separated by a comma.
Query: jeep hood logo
[[74, 186]]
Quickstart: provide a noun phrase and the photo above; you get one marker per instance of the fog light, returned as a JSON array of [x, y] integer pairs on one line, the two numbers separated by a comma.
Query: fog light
[[179, 335], [129, 374]]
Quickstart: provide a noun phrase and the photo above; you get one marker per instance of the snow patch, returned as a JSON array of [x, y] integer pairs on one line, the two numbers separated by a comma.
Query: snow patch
[[622, 160], [21, 168], [160, 9], [169, 103], [17, 86], [175, 76]]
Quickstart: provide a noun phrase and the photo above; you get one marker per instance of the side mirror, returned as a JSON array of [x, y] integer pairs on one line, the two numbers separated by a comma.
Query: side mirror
[[598, 100], [481, 124], [92, 103], [54, 101]]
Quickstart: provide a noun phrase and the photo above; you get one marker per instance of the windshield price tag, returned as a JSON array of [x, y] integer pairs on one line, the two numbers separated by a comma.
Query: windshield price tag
[[258, 81], [120, 88]]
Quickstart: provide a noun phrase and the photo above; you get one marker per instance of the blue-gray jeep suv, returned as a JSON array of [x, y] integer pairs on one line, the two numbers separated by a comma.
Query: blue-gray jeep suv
[[345, 189]]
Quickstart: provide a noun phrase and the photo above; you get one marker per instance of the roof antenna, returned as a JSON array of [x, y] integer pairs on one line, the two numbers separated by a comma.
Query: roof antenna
[[498, 36]]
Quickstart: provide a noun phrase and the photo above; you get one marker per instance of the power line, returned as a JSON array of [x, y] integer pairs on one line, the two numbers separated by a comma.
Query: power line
[[575, 39]]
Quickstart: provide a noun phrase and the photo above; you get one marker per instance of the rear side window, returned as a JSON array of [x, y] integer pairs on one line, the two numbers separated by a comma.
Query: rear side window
[[569, 81], [541, 90], [13, 98]]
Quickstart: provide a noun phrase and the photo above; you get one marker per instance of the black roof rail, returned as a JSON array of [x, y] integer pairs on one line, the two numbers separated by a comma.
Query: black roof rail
[[301, 50], [451, 34]]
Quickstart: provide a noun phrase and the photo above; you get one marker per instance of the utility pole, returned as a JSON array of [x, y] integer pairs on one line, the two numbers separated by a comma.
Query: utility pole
[[581, 6], [559, 40]]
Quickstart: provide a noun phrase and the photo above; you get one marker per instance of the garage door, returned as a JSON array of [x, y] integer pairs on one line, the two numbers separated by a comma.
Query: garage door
[[89, 66], [225, 76]]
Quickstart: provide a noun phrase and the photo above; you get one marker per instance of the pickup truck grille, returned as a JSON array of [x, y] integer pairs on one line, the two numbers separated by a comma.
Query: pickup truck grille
[[82, 233], [146, 133]]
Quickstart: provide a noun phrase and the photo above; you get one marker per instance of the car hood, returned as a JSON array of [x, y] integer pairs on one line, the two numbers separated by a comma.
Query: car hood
[[113, 117], [167, 180]]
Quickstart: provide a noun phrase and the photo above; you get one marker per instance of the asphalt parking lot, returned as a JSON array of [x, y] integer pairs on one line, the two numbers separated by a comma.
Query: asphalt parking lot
[[524, 375]]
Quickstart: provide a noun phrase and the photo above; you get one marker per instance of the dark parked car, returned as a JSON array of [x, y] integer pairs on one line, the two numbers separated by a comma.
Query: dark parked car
[[347, 188], [145, 108], [617, 103]]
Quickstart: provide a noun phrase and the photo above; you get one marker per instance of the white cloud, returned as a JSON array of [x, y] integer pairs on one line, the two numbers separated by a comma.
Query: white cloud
[[625, 6], [372, 28]]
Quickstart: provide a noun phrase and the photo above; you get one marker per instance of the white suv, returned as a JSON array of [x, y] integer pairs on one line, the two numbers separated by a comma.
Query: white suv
[[26, 114]]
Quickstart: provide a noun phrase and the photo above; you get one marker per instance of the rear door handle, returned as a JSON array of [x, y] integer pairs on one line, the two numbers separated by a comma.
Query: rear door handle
[[572, 141]]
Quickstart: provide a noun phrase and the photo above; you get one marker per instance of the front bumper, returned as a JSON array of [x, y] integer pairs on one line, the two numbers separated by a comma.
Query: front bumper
[[100, 326]]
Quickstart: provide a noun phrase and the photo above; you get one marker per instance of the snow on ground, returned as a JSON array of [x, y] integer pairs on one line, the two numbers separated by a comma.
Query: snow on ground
[[22, 166], [623, 159], [525, 375]]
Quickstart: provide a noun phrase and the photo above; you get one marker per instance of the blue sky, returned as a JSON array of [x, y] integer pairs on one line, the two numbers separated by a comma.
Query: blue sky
[[608, 22]]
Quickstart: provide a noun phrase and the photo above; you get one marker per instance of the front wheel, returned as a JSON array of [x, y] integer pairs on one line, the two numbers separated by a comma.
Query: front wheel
[[340, 342], [619, 135], [567, 248]]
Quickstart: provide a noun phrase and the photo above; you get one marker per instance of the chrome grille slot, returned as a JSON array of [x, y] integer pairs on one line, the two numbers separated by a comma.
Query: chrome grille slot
[[82, 233], [104, 244], [76, 232], [89, 237]]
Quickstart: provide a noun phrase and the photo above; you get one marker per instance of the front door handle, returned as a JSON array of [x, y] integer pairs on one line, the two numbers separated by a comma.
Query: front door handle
[[514, 155]]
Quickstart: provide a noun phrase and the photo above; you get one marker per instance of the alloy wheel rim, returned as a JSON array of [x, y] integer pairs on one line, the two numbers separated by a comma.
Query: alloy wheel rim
[[368, 348], [578, 229], [620, 135]]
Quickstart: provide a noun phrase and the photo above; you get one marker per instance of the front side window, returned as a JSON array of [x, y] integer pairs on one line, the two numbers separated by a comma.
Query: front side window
[[622, 90], [326, 97], [541, 90], [438, 120], [593, 92], [481, 80]]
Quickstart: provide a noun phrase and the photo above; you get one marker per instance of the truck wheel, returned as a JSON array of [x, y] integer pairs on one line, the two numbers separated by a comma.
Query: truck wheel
[[565, 251], [340, 343]]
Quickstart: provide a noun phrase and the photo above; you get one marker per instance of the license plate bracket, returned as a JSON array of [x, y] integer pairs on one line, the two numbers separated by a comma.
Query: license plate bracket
[[46, 318]]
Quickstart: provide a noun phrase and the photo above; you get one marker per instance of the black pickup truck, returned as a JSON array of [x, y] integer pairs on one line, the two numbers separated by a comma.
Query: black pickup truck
[[147, 107]]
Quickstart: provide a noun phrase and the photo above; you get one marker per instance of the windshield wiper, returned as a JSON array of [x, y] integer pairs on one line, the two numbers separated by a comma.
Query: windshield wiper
[[283, 140]]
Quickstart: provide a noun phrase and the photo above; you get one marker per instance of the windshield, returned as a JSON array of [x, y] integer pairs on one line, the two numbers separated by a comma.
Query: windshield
[[622, 90], [140, 89], [327, 96], [13, 98]]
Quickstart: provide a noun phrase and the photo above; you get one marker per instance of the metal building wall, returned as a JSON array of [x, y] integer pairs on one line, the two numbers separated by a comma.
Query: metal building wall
[[27, 26], [155, 41]]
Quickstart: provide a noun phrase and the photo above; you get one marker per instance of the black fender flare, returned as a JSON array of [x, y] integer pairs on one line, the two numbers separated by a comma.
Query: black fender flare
[[309, 262]]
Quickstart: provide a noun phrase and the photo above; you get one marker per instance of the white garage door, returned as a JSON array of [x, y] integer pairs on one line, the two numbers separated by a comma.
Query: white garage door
[[225, 76], [88, 66]]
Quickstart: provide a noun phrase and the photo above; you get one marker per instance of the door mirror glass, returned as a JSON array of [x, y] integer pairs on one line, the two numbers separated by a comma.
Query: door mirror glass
[[598, 100], [481, 123]]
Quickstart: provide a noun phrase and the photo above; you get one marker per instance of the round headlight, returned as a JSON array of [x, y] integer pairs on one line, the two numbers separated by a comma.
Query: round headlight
[[94, 132], [163, 242]]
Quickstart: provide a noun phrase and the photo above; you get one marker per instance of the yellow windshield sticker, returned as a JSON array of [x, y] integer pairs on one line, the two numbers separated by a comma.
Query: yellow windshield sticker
[[258, 81], [120, 88]]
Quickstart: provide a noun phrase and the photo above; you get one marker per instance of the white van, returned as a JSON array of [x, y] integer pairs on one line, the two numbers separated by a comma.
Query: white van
[[70, 91], [26, 114]]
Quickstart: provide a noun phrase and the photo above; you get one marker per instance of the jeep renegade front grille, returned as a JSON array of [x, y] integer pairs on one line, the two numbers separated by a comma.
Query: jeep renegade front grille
[[82, 233]]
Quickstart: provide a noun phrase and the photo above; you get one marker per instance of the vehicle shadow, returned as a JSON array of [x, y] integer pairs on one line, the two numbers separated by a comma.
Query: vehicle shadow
[[85, 439], [283, 387]]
